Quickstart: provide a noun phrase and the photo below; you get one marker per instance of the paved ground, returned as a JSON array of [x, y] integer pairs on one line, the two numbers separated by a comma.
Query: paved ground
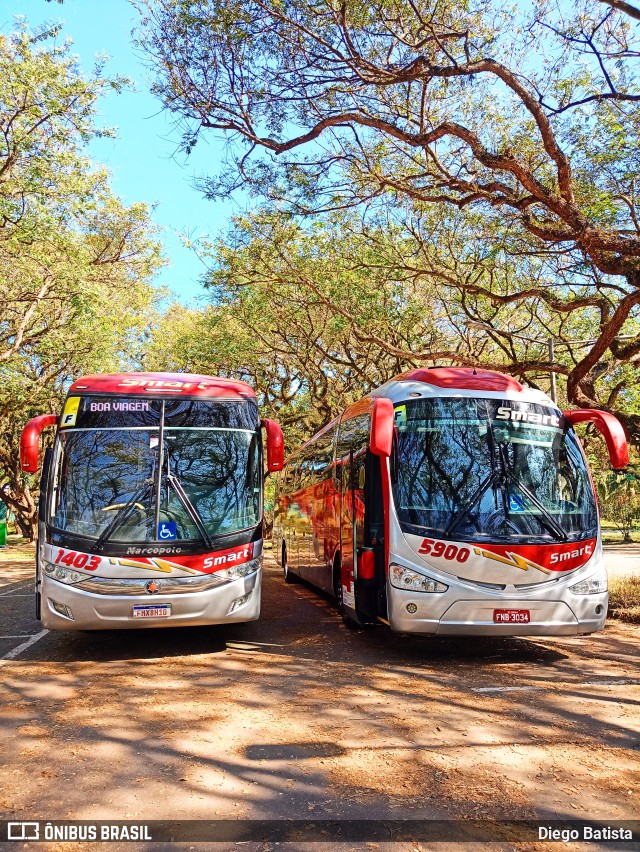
[[296, 717], [622, 560]]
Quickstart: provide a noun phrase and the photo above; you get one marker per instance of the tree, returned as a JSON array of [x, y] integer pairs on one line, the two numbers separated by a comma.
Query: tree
[[620, 501], [399, 297], [313, 317], [75, 263], [102, 333], [528, 121]]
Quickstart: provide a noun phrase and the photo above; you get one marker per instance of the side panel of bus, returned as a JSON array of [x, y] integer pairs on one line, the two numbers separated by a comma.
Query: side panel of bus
[[317, 500], [329, 514]]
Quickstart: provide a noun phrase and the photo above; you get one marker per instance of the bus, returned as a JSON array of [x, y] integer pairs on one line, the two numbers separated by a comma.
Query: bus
[[450, 501], [151, 502]]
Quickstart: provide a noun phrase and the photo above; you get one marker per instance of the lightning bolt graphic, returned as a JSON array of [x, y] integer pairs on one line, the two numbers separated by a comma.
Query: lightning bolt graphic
[[161, 565], [513, 559]]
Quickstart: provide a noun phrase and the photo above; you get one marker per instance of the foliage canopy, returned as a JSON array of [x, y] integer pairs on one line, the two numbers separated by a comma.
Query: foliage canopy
[[75, 263], [518, 124]]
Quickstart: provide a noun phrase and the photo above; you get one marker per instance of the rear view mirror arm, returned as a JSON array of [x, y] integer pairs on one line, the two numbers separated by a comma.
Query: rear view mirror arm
[[609, 427]]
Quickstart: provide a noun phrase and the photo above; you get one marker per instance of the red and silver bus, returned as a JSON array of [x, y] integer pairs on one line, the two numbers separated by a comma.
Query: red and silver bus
[[151, 502], [450, 501]]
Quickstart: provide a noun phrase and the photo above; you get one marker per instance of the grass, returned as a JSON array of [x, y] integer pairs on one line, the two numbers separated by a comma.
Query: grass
[[18, 549], [612, 535], [624, 599]]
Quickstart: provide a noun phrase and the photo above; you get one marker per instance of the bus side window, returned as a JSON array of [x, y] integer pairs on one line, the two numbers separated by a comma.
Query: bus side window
[[306, 468], [366, 478], [322, 458], [288, 483], [354, 438], [343, 448], [295, 476]]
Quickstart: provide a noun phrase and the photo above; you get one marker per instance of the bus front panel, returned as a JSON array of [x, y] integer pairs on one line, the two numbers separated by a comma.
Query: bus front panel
[[154, 514], [494, 524]]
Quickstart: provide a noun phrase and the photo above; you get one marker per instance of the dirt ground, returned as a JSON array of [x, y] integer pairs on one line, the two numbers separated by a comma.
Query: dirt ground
[[295, 717]]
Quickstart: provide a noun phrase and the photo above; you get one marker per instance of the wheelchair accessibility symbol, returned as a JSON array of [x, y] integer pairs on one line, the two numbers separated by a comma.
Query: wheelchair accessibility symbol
[[167, 530], [516, 503]]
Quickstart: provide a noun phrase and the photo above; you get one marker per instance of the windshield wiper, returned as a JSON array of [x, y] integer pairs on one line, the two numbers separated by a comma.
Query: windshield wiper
[[193, 513], [493, 478], [551, 524], [500, 474], [465, 512], [123, 513]]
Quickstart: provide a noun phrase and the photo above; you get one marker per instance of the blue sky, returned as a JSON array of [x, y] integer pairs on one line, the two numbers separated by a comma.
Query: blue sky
[[143, 160]]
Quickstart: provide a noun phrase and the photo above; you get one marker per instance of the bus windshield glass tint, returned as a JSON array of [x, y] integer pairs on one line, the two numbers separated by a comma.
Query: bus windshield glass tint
[[470, 469], [173, 470]]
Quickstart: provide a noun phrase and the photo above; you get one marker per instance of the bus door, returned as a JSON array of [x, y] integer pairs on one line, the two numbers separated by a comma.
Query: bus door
[[372, 597], [351, 524], [353, 442], [362, 530]]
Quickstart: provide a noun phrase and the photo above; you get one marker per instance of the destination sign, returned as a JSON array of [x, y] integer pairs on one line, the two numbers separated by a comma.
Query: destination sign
[[114, 412]]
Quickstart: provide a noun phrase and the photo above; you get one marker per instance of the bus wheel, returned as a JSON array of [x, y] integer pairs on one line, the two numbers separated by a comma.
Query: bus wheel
[[289, 577], [349, 623]]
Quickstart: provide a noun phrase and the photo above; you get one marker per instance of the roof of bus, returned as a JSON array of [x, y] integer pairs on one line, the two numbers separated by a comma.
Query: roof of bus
[[461, 378], [184, 384], [459, 381]]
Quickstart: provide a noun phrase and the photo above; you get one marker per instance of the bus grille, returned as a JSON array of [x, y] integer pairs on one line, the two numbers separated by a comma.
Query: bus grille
[[137, 586]]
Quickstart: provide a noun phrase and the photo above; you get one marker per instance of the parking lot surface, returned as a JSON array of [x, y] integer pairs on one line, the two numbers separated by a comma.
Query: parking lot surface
[[294, 716]]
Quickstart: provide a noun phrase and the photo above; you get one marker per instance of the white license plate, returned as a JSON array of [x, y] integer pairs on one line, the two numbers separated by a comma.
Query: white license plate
[[161, 611], [511, 616]]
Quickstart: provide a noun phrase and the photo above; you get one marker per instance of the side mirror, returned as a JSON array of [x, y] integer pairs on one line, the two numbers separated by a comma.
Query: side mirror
[[609, 427], [30, 441], [275, 445], [381, 439]]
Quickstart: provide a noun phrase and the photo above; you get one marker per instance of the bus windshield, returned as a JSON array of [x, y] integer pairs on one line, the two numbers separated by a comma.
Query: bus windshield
[[501, 470], [157, 470]]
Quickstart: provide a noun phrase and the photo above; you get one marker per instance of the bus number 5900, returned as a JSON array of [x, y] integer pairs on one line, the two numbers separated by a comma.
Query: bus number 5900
[[448, 551]]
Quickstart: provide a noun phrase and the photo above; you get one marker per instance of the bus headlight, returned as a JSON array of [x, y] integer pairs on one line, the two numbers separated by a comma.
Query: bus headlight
[[593, 585], [63, 575], [406, 578], [235, 572]]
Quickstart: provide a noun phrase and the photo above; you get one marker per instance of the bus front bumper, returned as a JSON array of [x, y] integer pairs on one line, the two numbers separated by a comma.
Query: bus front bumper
[[577, 614], [68, 608]]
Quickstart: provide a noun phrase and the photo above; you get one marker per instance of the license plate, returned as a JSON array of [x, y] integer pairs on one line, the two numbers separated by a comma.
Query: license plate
[[147, 611], [511, 616]]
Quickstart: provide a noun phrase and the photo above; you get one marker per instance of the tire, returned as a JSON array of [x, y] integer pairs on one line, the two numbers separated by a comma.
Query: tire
[[289, 577]]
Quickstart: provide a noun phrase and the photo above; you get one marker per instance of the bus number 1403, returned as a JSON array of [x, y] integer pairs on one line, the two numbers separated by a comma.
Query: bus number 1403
[[77, 560], [448, 551]]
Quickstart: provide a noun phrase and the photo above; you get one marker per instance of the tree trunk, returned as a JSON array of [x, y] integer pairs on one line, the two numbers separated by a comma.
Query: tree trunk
[[21, 502], [22, 525], [27, 526]]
